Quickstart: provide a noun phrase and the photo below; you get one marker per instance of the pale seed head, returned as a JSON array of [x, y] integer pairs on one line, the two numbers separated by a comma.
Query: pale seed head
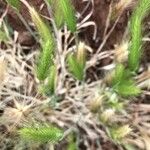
[[107, 115], [96, 103], [3, 68], [121, 132], [81, 53], [121, 52], [119, 7]]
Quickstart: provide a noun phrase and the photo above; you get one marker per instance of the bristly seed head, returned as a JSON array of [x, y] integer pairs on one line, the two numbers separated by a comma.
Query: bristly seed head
[[121, 132], [119, 7], [96, 103], [121, 52], [107, 115], [81, 53], [3, 68]]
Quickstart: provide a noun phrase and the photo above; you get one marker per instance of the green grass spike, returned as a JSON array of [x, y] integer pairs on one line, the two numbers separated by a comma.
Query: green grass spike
[[75, 68], [69, 14], [123, 83], [50, 88], [45, 59], [57, 13], [43, 29], [136, 34], [77, 62], [43, 133]]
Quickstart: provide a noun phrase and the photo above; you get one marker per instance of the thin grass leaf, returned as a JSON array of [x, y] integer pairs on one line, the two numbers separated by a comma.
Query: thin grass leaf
[[3, 36], [14, 3], [77, 62], [45, 60], [136, 34], [75, 68], [121, 74], [49, 1], [127, 88], [72, 143], [69, 14], [41, 134], [122, 82]]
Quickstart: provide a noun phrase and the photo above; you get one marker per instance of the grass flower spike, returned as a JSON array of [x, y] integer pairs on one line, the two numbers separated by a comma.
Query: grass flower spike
[[42, 27], [43, 133], [69, 14], [119, 133], [77, 61], [45, 60], [136, 34]]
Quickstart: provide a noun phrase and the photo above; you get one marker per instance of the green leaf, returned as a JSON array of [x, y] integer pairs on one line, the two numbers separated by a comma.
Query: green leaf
[[72, 143], [69, 14], [14, 3], [122, 82], [121, 74], [127, 88], [41, 134], [45, 59], [49, 1], [3, 36], [75, 68]]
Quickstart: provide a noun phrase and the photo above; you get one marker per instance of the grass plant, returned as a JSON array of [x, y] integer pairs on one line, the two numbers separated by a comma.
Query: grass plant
[[59, 70]]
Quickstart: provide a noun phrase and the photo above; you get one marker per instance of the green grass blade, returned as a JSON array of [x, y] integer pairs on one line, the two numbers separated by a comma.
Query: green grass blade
[[3, 36], [75, 68], [49, 1], [127, 88], [72, 142], [14, 3], [122, 82]]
